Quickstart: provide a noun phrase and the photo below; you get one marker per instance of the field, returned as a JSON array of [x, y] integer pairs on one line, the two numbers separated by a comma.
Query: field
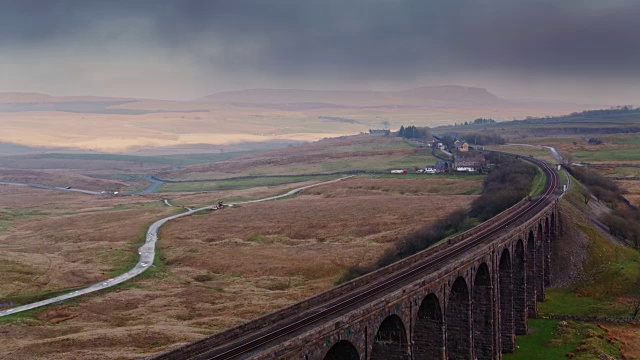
[[537, 152], [553, 339], [54, 240], [215, 271], [363, 152], [280, 252]]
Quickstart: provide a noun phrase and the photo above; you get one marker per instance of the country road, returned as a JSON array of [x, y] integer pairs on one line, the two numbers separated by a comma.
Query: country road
[[155, 184], [41, 186], [146, 252]]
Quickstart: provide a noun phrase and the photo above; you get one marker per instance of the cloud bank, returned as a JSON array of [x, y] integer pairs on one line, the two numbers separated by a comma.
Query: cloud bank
[[567, 50]]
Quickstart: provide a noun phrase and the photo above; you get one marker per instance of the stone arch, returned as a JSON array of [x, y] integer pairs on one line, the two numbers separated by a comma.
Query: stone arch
[[428, 331], [482, 309], [505, 284], [540, 239], [391, 342], [342, 350], [519, 269], [547, 251], [458, 318], [531, 275]]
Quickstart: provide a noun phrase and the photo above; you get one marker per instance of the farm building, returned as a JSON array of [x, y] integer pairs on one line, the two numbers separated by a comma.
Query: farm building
[[442, 166], [461, 146], [468, 162]]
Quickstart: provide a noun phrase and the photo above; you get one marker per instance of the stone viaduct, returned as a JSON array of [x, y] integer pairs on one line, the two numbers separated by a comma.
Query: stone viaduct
[[466, 298], [472, 308]]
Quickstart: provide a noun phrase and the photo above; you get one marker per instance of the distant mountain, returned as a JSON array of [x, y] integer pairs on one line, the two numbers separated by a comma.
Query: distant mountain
[[33, 97], [419, 96], [451, 93]]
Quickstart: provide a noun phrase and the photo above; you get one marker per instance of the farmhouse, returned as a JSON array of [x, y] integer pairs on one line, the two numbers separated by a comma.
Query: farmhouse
[[461, 146]]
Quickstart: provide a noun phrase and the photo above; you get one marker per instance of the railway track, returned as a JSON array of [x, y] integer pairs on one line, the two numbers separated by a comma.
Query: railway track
[[249, 344]]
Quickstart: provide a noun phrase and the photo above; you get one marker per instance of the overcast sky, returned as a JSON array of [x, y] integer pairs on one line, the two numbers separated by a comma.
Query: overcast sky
[[587, 51]]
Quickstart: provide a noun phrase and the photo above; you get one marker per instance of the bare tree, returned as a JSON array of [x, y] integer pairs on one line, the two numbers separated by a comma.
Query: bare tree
[[567, 159]]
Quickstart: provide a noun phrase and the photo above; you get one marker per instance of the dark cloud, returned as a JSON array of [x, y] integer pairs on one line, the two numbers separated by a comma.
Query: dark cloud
[[343, 42]]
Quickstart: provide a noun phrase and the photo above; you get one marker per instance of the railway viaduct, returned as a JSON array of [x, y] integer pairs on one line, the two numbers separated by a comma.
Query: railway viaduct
[[466, 298]]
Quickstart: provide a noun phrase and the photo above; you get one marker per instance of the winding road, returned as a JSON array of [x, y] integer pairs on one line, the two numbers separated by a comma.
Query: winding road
[[146, 251]]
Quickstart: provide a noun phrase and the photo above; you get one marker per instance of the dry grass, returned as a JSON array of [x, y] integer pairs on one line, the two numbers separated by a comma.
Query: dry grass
[[220, 271], [632, 188], [61, 178], [629, 336], [331, 155], [216, 270], [52, 240]]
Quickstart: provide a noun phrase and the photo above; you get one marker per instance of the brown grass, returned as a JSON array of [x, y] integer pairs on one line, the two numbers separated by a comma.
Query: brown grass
[[52, 240], [629, 336], [369, 152], [632, 188], [221, 271], [60, 178]]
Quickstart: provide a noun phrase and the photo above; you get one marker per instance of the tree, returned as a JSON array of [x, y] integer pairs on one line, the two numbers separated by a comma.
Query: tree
[[401, 131], [567, 159]]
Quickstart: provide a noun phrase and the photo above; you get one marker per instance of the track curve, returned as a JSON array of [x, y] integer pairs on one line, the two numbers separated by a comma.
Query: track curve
[[227, 346]]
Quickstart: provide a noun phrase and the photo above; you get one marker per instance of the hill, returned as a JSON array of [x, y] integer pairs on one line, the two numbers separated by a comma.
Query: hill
[[34, 97], [616, 120], [418, 96]]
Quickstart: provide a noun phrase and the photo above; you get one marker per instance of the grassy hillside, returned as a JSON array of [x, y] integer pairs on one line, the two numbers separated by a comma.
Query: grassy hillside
[[603, 280]]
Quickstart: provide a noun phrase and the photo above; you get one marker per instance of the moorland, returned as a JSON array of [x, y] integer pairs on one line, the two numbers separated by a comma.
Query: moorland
[[217, 269]]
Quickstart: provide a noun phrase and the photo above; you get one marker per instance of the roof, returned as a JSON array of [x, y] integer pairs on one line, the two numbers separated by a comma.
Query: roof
[[469, 159], [441, 164]]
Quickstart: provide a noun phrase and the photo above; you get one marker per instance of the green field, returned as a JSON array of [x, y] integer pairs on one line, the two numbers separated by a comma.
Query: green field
[[535, 151], [236, 184], [608, 154], [553, 339]]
